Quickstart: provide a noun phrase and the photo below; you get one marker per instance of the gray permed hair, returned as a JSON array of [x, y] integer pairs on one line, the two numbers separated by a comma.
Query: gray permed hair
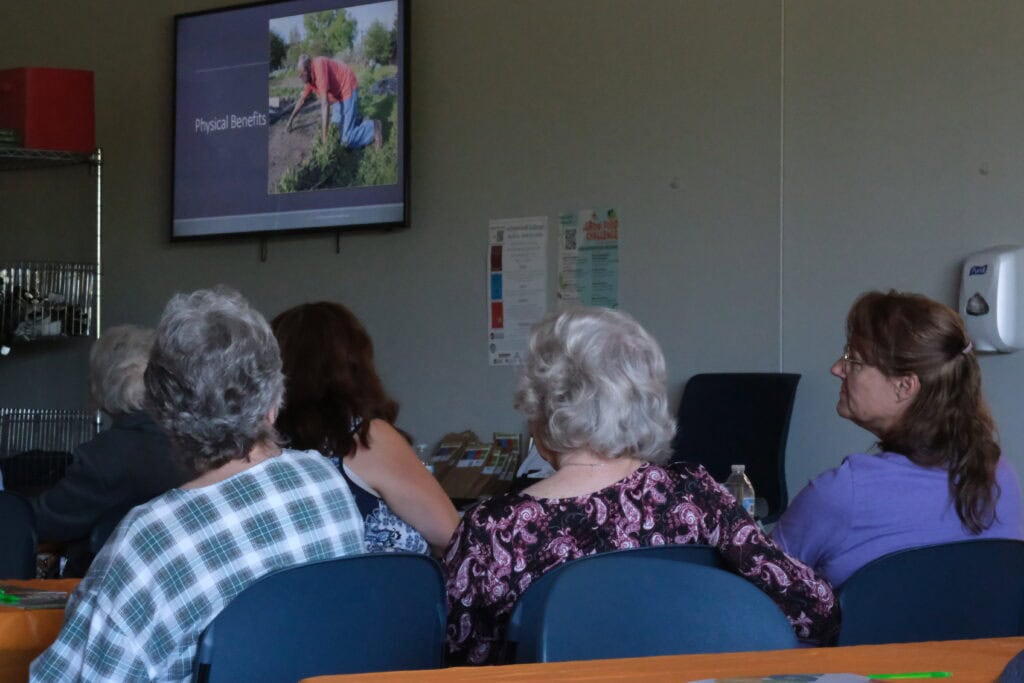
[[595, 379], [214, 377], [117, 362]]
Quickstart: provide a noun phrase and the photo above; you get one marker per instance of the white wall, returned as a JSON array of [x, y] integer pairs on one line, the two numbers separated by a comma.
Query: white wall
[[769, 161]]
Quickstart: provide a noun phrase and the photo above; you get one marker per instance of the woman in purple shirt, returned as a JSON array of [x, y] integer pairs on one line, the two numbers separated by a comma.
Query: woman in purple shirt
[[593, 391], [910, 377]]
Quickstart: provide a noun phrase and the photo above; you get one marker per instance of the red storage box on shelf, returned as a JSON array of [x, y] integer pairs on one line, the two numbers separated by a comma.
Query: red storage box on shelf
[[50, 108]]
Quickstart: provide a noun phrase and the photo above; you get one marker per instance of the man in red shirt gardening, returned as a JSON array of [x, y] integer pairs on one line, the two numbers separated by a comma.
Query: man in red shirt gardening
[[337, 88]]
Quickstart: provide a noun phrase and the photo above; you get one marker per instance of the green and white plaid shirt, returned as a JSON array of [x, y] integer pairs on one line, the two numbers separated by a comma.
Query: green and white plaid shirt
[[176, 561]]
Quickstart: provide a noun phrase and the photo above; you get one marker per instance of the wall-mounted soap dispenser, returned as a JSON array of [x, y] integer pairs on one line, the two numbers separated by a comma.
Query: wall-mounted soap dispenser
[[992, 298]]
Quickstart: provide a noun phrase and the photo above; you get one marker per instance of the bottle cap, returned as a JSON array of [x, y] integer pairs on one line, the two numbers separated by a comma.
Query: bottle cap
[[739, 468]]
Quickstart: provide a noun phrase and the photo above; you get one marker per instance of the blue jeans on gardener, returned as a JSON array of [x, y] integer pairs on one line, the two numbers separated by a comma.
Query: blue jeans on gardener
[[355, 133]]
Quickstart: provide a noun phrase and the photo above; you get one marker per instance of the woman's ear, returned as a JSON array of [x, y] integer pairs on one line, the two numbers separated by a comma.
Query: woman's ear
[[907, 386]]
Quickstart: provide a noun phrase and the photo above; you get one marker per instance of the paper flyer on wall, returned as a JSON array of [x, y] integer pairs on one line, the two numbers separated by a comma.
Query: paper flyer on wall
[[517, 279], [588, 258]]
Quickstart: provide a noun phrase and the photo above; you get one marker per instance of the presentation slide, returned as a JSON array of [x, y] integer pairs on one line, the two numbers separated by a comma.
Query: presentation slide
[[290, 116]]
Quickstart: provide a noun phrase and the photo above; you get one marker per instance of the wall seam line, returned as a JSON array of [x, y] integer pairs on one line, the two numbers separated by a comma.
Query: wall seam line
[[782, 172]]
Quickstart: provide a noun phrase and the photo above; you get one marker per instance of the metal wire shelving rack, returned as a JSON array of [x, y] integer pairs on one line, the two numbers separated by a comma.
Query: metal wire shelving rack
[[47, 300]]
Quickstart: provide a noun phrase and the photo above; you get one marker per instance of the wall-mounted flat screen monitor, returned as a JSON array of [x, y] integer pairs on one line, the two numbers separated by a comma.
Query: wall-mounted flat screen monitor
[[291, 116]]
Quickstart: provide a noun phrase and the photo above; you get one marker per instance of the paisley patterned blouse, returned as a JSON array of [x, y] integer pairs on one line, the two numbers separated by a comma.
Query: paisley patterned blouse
[[503, 544]]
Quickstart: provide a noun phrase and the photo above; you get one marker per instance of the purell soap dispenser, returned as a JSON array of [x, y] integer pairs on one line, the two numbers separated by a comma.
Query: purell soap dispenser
[[992, 298]]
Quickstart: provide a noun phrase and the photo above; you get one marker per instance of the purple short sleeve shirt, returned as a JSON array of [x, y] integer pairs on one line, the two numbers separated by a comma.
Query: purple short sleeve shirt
[[876, 504]]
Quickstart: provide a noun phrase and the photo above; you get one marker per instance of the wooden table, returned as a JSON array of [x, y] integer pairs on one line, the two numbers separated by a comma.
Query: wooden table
[[24, 634], [968, 660]]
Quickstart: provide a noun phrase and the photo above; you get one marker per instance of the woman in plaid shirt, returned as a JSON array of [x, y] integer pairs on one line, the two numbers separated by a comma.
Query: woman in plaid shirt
[[214, 385]]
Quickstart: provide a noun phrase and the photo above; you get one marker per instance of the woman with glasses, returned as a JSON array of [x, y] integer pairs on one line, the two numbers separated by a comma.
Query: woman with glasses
[[910, 377]]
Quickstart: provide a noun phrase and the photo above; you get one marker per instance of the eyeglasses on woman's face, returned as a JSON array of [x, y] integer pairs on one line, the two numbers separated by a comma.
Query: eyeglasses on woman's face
[[849, 361]]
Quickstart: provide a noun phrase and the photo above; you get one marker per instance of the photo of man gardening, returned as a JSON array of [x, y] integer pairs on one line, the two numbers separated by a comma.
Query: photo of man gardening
[[337, 89], [333, 99]]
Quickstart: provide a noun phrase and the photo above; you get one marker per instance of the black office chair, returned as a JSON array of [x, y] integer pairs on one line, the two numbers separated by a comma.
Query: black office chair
[[376, 612], [17, 538], [632, 604], [742, 419], [952, 591]]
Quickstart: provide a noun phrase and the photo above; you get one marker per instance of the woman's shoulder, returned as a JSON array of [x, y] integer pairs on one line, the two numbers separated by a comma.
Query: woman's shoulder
[[313, 463], [490, 515], [1005, 468], [686, 476], [1009, 482], [885, 466], [384, 440], [505, 505]]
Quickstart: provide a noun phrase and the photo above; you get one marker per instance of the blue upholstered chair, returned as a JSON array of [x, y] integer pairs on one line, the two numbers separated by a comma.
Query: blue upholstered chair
[[739, 418], [17, 538], [377, 612], [971, 589], [649, 601]]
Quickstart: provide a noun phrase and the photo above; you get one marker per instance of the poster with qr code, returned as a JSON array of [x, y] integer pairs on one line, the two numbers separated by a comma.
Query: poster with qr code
[[588, 258], [517, 284]]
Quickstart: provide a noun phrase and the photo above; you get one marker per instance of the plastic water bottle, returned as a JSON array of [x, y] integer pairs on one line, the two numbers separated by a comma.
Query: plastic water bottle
[[738, 484], [423, 453]]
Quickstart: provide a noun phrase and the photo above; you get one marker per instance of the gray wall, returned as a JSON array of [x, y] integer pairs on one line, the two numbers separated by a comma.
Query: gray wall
[[768, 160]]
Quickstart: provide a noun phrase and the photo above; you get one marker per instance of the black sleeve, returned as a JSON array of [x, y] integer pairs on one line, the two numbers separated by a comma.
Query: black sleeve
[[72, 507]]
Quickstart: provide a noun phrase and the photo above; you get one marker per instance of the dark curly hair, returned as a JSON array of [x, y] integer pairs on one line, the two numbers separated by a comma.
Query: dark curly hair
[[332, 390], [949, 423]]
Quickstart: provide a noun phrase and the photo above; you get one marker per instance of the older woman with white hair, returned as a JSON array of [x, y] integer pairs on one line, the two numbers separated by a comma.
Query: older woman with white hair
[[125, 465], [214, 384], [593, 392]]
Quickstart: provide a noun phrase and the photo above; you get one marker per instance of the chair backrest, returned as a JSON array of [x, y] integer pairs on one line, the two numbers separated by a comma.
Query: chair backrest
[[971, 589], [742, 419], [638, 604], [1014, 670], [376, 612], [524, 621], [17, 538]]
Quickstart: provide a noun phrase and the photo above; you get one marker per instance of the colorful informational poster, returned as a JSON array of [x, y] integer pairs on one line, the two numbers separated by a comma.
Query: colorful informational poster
[[588, 259], [517, 278]]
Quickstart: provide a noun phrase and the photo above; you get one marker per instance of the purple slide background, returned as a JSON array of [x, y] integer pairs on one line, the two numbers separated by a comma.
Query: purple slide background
[[222, 69]]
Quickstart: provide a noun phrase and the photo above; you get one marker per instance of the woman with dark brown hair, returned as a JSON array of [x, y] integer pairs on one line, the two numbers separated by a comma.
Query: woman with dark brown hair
[[910, 377], [336, 404]]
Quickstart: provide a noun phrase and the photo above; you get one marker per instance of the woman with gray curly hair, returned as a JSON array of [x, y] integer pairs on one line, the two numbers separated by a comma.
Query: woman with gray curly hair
[[214, 384], [593, 392], [214, 379]]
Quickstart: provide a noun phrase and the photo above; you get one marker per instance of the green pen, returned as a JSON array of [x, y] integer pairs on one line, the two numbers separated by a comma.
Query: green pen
[[912, 674], [7, 597]]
